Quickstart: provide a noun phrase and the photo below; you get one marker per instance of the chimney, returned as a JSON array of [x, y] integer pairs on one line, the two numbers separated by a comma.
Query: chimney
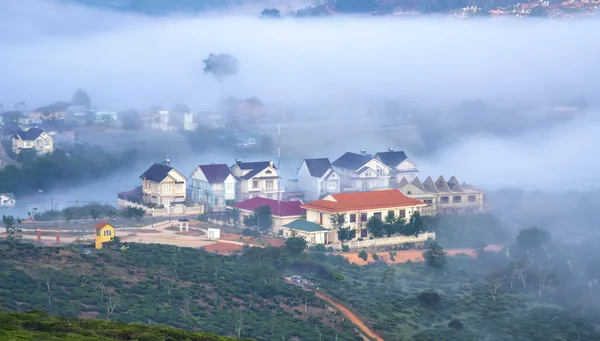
[[271, 163], [238, 161], [167, 162], [391, 149], [363, 152]]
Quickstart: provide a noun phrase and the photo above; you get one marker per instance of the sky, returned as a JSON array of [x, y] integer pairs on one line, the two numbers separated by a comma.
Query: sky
[[51, 49]]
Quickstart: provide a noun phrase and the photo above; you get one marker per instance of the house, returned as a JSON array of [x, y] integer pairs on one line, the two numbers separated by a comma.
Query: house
[[105, 232], [256, 179], [190, 121], [358, 207], [56, 111], [9, 129], [317, 178], [7, 200], [212, 184], [362, 172], [312, 232], [160, 121], [401, 166], [163, 185], [33, 138], [282, 212], [443, 196]]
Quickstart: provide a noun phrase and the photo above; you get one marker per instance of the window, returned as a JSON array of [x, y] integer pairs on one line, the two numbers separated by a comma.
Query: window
[[444, 200], [363, 217], [365, 185], [353, 218], [379, 171], [472, 198], [179, 187], [377, 215], [229, 186], [320, 218], [428, 201], [368, 174], [269, 185], [47, 142], [216, 187], [402, 214], [254, 183], [97, 232], [456, 198], [332, 184], [409, 192], [167, 187]]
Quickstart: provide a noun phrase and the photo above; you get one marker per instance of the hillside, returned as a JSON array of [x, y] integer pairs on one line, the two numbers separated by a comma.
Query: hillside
[[38, 325], [161, 285]]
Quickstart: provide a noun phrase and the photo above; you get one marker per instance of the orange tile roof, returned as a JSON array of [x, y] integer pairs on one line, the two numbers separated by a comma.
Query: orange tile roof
[[100, 226], [358, 201]]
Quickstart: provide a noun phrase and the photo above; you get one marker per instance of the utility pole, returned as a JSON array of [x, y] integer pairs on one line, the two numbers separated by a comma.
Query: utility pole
[[278, 171]]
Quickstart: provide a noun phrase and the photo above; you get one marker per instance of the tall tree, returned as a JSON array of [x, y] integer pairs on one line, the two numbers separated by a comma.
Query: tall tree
[[338, 221], [295, 245], [221, 66], [13, 234], [415, 225], [261, 219], [375, 226], [435, 256], [81, 98]]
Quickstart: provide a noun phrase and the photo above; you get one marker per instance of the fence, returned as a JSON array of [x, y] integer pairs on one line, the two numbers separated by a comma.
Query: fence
[[164, 212], [386, 241]]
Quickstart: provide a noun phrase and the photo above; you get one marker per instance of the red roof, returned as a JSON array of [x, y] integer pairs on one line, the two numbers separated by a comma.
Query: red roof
[[286, 208], [100, 226], [358, 201]]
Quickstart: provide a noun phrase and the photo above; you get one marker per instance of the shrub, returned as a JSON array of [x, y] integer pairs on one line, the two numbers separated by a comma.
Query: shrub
[[455, 324], [338, 276], [375, 256], [363, 255], [429, 298], [330, 249], [319, 248], [345, 248], [251, 233], [203, 217]]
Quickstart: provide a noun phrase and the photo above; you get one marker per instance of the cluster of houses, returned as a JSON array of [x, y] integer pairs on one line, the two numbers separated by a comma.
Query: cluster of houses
[[360, 185]]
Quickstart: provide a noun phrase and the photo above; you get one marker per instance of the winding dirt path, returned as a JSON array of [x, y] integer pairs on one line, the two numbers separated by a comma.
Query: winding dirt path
[[350, 316]]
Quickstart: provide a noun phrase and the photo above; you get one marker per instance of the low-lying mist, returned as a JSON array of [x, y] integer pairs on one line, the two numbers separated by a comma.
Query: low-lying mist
[[433, 63]]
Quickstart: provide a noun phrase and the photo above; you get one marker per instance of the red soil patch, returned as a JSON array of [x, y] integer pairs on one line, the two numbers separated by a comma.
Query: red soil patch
[[412, 255], [190, 233], [223, 248], [350, 316], [137, 231]]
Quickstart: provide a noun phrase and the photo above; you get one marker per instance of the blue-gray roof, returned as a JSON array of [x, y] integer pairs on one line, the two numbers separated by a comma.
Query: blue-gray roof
[[317, 167], [391, 159], [352, 160], [305, 226]]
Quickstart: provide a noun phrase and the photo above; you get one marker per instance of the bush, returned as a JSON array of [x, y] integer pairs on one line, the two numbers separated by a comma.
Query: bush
[[429, 298], [203, 217], [251, 233], [345, 248], [319, 248], [330, 249], [375, 256], [363, 255], [455, 324]]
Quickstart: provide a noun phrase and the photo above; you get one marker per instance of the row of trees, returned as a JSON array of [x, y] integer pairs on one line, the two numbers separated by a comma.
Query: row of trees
[[392, 225]]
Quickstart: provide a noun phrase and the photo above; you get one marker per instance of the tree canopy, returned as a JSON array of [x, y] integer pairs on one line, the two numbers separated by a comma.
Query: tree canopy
[[221, 66], [81, 98]]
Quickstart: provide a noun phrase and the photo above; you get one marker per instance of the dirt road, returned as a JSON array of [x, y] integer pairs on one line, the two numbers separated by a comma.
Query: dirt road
[[350, 316]]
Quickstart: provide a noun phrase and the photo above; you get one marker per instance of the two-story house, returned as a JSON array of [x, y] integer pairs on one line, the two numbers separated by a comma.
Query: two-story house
[[357, 208], [317, 178], [256, 179], [33, 138], [212, 184], [362, 172], [443, 196], [163, 185], [7, 200], [401, 166], [282, 212]]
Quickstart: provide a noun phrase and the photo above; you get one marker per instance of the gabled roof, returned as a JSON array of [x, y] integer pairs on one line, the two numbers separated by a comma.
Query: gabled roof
[[156, 172], [454, 185], [8, 195], [391, 159], [215, 174], [441, 184], [358, 201], [29, 135], [402, 183], [352, 160], [317, 167], [281, 209], [429, 185], [53, 108], [253, 167], [305, 226], [417, 183], [102, 225]]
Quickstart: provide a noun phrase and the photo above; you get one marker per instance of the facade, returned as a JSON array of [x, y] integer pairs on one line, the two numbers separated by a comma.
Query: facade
[[401, 166], [317, 178], [163, 185], [212, 184], [33, 138], [313, 233], [358, 207], [362, 172], [105, 232], [160, 121], [189, 121], [443, 196], [256, 179], [283, 212], [7, 200]]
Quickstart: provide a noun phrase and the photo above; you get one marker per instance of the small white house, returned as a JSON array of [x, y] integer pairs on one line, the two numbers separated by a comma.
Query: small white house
[[316, 178], [214, 233], [7, 200]]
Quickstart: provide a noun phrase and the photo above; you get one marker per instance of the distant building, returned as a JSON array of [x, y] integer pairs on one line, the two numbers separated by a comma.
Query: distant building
[[7, 200], [256, 179], [358, 207], [317, 178], [401, 166], [189, 121], [443, 196], [362, 172], [33, 138], [163, 185], [212, 184], [283, 212], [105, 232], [160, 121]]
